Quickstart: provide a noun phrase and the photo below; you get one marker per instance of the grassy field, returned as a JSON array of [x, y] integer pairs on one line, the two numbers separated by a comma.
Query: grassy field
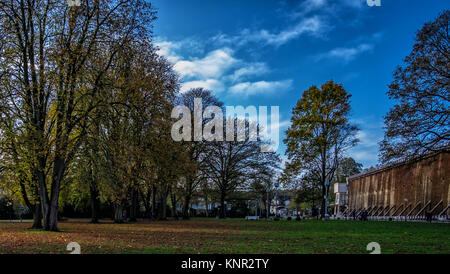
[[229, 236]]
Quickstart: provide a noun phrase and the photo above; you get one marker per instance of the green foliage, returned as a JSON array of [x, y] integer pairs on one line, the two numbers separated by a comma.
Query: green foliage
[[319, 135]]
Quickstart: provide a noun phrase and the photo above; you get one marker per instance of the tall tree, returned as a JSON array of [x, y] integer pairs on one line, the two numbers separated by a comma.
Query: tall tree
[[197, 150], [58, 57], [137, 151], [420, 120], [320, 133]]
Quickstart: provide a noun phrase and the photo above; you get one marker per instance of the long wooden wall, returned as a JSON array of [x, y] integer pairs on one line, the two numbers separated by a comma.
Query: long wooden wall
[[403, 185]]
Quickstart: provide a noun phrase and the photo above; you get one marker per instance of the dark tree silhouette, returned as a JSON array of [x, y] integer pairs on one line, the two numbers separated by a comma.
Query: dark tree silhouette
[[419, 121]]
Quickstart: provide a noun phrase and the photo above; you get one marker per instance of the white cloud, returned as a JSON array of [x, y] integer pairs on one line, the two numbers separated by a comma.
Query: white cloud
[[315, 3], [371, 133], [215, 64], [251, 69], [252, 88], [346, 54], [170, 49], [283, 124], [209, 84], [314, 26], [309, 17], [167, 49], [358, 4], [307, 7], [331, 12], [365, 156], [219, 70], [328, 8], [367, 139]]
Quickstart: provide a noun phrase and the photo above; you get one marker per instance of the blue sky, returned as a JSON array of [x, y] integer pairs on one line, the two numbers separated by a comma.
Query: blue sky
[[266, 53]]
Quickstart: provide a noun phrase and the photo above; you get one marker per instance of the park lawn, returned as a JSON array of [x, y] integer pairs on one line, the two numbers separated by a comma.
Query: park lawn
[[228, 236]]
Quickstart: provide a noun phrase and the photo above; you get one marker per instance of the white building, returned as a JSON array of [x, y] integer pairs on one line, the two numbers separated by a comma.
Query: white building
[[341, 201]]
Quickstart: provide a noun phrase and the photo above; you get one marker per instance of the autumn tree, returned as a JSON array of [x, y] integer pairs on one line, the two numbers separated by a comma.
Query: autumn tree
[[171, 164], [16, 175], [17, 165], [169, 158], [320, 133], [419, 122], [57, 59], [134, 135]]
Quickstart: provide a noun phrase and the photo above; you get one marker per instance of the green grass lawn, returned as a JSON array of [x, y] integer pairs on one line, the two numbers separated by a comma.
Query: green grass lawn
[[229, 236]]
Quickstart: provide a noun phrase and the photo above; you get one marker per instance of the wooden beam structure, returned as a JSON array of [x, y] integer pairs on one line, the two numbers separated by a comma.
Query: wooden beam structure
[[422, 181]]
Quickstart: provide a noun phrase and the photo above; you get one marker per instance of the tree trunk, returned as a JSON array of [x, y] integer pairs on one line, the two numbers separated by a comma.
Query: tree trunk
[[52, 215], [323, 179], [35, 208], [43, 194], [163, 209], [134, 205], [206, 206], [223, 210], [154, 211], [313, 209], [146, 199], [323, 209], [118, 214], [187, 198], [37, 216], [51, 223], [174, 206], [94, 192], [95, 205], [186, 206]]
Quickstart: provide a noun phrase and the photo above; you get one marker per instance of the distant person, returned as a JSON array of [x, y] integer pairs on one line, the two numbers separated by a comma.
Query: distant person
[[364, 215], [429, 216]]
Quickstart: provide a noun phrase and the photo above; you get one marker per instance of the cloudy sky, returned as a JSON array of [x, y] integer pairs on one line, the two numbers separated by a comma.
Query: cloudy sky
[[266, 53]]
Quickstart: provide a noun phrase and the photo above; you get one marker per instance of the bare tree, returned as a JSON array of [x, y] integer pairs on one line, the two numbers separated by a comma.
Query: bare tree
[[198, 150], [231, 164], [420, 120]]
